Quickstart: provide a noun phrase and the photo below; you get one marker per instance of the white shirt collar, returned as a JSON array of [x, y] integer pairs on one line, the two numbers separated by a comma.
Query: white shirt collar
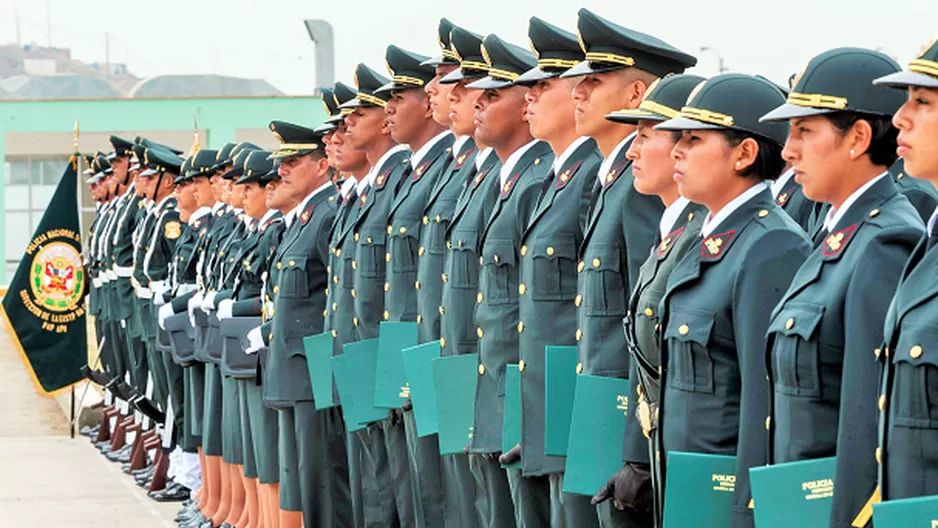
[[199, 213], [931, 221], [484, 155], [834, 215], [288, 218], [670, 216], [512, 160], [421, 153], [267, 215], [558, 163], [713, 221], [781, 182], [347, 186], [369, 179], [606, 165], [218, 206], [305, 201], [459, 143]]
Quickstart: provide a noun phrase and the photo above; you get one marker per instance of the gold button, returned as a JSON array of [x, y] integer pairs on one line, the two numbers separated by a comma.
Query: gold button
[[537, 162], [596, 262], [521, 365], [387, 257], [417, 285], [580, 266], [390, 229], [438, 219], [355, 321], [768, 423], [876, 353], [524, 250], [916, 352], [481, 369], [334, 333], [479, 332], [279, 265], [292, 263], [442, 310], [886, 351], [325, 312], [335, 306], [449, 245], [460, 243], [789, 323], [387, 286], [579, 368], [442, 342], [479, 298], [368, 240], [579, 334], [481, 259], [421, 251], [419, 318], [900, 176], [879, 455], [445, 278], [354, 265], [649, 312], [426, 220], [496, 258], [874, 212], [882, 402], [522, 288], [578, 300], [338, 252], [335, 279], [683, 329], [270, 337], [550, 251], [356, 237], [763, 213], [690, 217], [276, 288], [387, 315], [354, 294], [403, 230], [520, 326], [328, 269]]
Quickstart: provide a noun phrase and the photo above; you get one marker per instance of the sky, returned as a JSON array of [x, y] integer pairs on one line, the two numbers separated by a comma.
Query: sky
[[267, 39]]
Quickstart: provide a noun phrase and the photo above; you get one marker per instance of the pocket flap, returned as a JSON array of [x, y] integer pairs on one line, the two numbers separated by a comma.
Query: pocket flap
[[917, 346], [499, 252], [372, 236], [603, 258], [294, 262], [690, 326], [800, 319], [464, 241], [556, 247]]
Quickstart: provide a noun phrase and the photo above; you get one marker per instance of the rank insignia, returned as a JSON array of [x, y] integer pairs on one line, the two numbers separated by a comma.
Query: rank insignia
[[668, 242], [509, 185], [203, 231], [461, 159], [479, 177], [172, 230], [836, 242], [714, 245], [382, 178], [614, 173], [782, 199], [418, 172], [363, 199], [307, 213], [566, 176]]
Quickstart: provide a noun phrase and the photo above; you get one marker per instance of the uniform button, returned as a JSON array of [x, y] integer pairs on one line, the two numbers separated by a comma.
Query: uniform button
[[421, 251], [276, 289], [368, 240], [460, 243], [789, 323], [270, 337], [768, 423], [334, 333], [354, 294], [335, 279], [442, 342], [876, 353], [879, 455], [390, 229], [357, 236], [524, 250], [479, 332], [481, 261], [579, 368], [325, 312], [649, 312], [419, 319], [550, 251], [445, 278], [328, 269], [874, 212], [449, 245], [596, 262], [580, 267], [690, 217], [426, 220], [521, 365], [537, 162], [403, 230], [335, 306], [387, 257], [338, 252], [438, 219], [354, 265], [886, 351], [882, 402], [522, 288], [579, 334], [479, 298], [387, 315], [355, 321], [481, 369], [520, 326], [496, 258], [292, 263], [916, 352], [387, 286], [763, 213], [417, 285], [442, 310], [578, 300], [279, 265], [683, 329]]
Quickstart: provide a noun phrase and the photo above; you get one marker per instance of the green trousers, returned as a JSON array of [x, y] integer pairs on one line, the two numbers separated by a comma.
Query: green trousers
[[497, 490], [426, 478], [531, 497], [465, 503], [322, 466]]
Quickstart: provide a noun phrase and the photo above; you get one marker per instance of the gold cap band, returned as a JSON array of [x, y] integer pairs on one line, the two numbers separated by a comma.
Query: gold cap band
[[924, 66], [368, 98], [659, 108], [474, 65], [596, 56], [556, 63], [404, 79], [817, 100], [503, 75], [707, 116]]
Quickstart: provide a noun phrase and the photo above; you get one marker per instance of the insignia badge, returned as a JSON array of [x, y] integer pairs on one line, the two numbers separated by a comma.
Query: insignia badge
[[479, 177], [614, 173], [714, 245], [668, 242], [172, 230], [382, 179], [835, 242], [509, 185], [307, 214], [782, 199], [364, 198], [644, 417], [564, 178], [420, 170], [57, 277]]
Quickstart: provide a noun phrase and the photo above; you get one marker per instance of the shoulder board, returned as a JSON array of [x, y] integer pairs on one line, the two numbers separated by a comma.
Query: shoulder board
[[419, 171], [610, 177], [461, 159], [480, 177], [564, 178], [509, 185], [382, 179], [836, 242], [714, 245], [307, 214], [668, 242]]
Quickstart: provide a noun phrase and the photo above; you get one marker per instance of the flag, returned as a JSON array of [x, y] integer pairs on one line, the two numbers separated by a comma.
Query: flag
[[44, 307]]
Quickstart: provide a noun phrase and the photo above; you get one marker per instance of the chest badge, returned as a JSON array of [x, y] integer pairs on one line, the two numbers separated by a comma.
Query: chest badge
[[172, 230], [836, 242]]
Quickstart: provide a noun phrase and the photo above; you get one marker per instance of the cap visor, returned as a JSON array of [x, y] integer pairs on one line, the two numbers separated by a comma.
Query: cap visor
[[433, 61], [533, 75], [905, 79], [232, 174], [91, 180], [386, 88], [788, 111], [147, 173], [247, 179], [135, 166], [488, 83], [587, 67], [325, 128], [683, 123], [461, 74], [634, 116], [112, 156], [179, 179], [88, 171], [354, 103]]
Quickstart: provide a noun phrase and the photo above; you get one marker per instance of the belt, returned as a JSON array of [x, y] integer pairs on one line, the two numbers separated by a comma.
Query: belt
[[123, 271]]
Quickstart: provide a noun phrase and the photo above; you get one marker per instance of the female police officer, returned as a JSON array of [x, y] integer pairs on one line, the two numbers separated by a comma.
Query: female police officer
[[840, 145], [715, 310], [908, 453]]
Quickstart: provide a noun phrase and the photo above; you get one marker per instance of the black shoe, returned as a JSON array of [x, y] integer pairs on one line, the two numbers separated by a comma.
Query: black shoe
[[177, 493], [196, 519], [115, 456], [188, 515], [124, 458]]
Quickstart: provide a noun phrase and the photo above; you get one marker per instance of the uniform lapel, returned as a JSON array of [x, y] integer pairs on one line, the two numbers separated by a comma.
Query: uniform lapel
[[466, 155], [607, 181]]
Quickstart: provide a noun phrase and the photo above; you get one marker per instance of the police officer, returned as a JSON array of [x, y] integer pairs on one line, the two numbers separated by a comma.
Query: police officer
[[906, 454], [715, 310]]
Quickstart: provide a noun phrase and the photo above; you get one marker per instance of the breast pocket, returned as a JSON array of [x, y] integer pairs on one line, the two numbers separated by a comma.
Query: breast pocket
[[437, 225], [555, 268], [499, 269], [372, 255], [915, 389], [403, 243], [294, 281], [690, 366], [795, 350], [605, 292], [463, 270]]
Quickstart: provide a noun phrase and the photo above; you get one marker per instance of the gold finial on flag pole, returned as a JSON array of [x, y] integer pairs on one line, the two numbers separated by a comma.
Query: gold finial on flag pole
[[75, 153], [195, 142]]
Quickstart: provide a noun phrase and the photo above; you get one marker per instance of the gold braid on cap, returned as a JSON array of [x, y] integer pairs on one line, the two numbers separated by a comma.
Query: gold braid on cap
[[924, 66], [556, 63], [404, 79], [707, 116], [833, 102], [598, 56]]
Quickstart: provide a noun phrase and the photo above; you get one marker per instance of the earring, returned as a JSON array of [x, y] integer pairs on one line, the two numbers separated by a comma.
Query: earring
[[852, 153], [737, 164]]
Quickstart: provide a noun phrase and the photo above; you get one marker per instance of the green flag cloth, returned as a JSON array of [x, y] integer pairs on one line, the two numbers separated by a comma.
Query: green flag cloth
[[44, 307]]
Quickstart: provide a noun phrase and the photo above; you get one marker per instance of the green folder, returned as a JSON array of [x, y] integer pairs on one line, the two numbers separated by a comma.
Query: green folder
[[319, 360], [340, 372], [419, 369], [559, 387], [360, 360], [793, 494], [597, 433], [920, 512], [391, 389], [511, 421], [455, 378], [698, 490]]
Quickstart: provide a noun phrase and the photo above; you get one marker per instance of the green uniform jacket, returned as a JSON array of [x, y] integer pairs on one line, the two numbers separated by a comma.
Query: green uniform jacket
[[496, 315], [799, 207], [371, 234], [159, 247], [406, 222], [921, 193], [187, 263], [620, 232], [299, 282], [643, 321], [121, 256], [92, 262], [144, 227], [547, 289], [340, 319], [250, 281], [461, 264], [714, 316], [820, 338], [439, 212]]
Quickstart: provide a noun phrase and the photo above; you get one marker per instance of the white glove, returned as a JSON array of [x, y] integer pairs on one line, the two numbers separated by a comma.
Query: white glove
[[195, 303], [224, 309], [255, 340], [166, 311], [208, 303]]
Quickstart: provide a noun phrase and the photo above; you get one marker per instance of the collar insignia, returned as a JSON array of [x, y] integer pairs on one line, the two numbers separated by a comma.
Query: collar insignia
[[614, 173], [668, 242], [418, 172], [509, 185], [382, 178], [836, 242], [479, 177], [714, 245], [564, 177], [364, 198], [461, 159], [782, 199], [307, 213]]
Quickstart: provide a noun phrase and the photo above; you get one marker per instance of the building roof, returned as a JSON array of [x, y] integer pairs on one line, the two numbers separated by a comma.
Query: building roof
[[202, 86]]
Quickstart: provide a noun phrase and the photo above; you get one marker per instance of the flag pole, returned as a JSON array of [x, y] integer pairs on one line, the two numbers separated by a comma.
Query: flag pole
[[71, 418]]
